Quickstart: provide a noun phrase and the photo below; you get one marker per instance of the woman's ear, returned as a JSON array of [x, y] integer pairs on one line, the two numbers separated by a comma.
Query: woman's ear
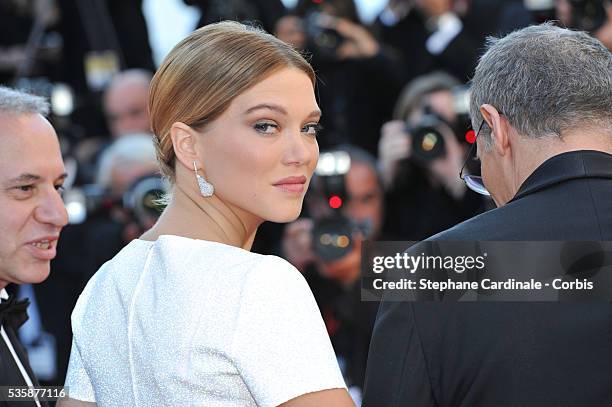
[[500, 139], [184, 140]]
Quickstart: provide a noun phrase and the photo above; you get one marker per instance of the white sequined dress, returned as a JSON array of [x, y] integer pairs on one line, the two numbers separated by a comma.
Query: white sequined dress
[[183, 322]]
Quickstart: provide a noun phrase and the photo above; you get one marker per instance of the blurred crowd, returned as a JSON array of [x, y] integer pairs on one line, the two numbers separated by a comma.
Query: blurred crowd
[[394, 96]]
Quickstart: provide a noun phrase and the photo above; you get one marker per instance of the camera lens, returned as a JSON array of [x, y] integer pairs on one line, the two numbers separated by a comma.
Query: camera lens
[[332, 237], [427, 143]]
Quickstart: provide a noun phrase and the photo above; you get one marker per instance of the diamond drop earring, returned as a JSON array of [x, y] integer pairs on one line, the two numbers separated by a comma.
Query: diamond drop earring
[[206, 188]]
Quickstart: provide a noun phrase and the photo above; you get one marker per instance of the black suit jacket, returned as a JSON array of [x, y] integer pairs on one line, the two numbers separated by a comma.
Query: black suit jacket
[[10, 374], [507, 354]]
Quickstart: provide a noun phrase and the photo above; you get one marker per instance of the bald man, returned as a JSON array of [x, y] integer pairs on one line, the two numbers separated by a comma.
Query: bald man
[[125, 103]]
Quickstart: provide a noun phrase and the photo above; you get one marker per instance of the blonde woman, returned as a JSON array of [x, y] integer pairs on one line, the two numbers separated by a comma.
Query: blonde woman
[[187, 315]]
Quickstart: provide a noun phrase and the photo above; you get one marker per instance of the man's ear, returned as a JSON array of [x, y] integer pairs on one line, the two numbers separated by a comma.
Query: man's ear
[[499, 128], [184, 143]]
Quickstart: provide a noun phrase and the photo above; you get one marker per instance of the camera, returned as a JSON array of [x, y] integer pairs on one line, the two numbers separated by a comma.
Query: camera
[[141, 201], [427, 134], [427, 139], [588, 15], [323, 41], [333, 232]]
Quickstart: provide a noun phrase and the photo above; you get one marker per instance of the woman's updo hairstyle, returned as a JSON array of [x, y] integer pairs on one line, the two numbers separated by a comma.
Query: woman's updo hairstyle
[[203, 73]]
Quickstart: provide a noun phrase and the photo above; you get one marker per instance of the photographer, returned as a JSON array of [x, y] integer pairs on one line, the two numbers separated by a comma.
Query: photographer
[[333, 270], [424, 194], [127, 161], [352, 66], [594, 16], [445, 34], [125, 103], [126, 112]]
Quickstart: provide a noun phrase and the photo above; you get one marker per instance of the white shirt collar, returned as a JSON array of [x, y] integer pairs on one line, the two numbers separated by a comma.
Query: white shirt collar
[[3, 295]]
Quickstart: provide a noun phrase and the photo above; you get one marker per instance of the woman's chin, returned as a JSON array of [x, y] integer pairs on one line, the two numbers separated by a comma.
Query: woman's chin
[[284, 216]]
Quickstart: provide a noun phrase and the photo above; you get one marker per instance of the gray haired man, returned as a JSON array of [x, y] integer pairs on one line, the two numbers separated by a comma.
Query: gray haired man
[[31, 216], [542, 101]]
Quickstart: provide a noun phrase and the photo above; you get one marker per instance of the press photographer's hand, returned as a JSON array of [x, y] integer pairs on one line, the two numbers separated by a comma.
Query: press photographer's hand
[[358, 42], [395, 145], [446, 168], [297, 243]]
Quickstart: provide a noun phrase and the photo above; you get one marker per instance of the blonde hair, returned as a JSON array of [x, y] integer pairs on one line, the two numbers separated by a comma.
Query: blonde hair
[[202, 74]]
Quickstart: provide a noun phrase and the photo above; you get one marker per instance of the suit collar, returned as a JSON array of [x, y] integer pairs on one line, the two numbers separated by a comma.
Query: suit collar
[[567, 166]]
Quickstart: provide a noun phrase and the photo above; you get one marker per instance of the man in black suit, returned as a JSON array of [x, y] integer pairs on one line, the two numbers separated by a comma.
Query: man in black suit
[[31, 216], [542, 97]]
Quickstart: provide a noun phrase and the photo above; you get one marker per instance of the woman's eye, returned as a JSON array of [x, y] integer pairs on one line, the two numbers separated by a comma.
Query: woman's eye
[[266, 128], [60, 188], [312, 129]]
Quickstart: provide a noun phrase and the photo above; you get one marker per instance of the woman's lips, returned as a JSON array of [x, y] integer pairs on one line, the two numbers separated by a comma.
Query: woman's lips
[[292, 184], [291, 187]]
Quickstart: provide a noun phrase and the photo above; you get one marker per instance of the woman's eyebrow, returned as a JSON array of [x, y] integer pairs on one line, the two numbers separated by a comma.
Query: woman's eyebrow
[[279, 109], [315, 113], [267, 106]]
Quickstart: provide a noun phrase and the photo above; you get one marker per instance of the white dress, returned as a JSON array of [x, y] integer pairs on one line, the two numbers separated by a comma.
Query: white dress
[[183, 322]]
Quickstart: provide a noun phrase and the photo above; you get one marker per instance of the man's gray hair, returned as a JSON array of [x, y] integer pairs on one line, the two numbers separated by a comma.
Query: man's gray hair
[[16, 102], [128, 150], [544, 80], [413, 93]]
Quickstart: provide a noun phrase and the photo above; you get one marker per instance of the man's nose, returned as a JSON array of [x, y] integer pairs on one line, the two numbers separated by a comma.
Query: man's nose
[[51, 210]]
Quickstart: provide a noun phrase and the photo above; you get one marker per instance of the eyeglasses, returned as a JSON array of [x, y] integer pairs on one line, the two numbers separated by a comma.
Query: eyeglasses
[[474, 182]]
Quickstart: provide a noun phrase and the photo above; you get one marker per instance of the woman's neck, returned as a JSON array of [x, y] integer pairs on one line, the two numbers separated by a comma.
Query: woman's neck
[[205, 219]]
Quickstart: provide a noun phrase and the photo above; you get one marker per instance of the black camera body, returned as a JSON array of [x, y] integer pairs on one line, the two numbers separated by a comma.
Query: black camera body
[[140, 201], [427, 139], [322, 41], [588, 15], [332, 236], [333, 231]]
